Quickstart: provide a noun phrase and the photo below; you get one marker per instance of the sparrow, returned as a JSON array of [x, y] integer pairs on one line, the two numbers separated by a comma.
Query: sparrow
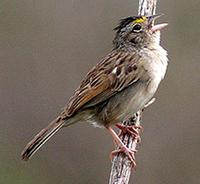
[[118, 86]]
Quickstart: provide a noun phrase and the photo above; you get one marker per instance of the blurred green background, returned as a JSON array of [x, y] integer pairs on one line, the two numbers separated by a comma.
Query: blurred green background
[[47, 46]]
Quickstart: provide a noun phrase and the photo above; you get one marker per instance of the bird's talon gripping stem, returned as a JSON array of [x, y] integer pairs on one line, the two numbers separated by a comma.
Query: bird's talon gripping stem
[[122, 148], [133, 130], [128, 152]]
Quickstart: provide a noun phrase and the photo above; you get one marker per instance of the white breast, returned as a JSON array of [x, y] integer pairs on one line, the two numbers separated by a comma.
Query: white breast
[[157, 61], [163, 61], [155, 65]]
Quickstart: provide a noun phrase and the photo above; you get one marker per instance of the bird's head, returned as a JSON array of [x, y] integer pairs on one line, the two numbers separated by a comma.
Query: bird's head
[[138, 31]]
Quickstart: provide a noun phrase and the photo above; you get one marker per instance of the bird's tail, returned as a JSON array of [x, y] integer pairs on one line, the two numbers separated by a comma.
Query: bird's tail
[[42, 137]]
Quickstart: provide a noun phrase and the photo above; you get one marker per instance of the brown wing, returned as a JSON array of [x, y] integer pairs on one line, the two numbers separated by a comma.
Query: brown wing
[[114, 73]]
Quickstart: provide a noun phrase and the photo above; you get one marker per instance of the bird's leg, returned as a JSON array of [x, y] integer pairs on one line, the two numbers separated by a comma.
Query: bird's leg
[[123, 148], [133, 130]]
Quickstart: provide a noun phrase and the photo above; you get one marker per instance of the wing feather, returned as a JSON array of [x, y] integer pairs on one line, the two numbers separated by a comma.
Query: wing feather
[[113, 74]]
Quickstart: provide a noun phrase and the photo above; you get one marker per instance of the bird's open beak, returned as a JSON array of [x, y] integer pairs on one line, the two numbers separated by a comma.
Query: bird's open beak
[[157, 27]]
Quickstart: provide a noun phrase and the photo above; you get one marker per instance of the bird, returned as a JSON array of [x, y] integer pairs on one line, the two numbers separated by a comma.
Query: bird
[[118, 86]]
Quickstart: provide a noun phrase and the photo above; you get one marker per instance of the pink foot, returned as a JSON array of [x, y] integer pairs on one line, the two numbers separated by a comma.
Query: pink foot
[[133, 130], [128, 152], [122, 147]]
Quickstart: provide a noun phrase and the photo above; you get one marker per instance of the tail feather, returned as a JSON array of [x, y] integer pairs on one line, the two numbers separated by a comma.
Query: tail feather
[[41, 138]]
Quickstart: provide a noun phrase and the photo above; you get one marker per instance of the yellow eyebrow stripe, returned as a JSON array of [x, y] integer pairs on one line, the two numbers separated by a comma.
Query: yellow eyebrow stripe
[[140, 20]]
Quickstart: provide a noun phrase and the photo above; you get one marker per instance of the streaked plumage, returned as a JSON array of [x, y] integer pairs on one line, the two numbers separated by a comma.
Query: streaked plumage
[[121, 84]]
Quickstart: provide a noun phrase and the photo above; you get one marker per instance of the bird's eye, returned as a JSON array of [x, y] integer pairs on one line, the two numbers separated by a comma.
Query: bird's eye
[[137, 28]]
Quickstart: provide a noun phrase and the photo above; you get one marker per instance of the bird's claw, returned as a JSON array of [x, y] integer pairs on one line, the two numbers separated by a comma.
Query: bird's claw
[[133, 130], [128, 152]]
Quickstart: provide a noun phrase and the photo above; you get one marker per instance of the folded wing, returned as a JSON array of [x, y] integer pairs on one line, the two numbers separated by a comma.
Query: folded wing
[[113, 74]]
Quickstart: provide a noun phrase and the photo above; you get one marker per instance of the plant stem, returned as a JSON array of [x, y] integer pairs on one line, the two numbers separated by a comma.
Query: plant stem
[[121, 165]]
